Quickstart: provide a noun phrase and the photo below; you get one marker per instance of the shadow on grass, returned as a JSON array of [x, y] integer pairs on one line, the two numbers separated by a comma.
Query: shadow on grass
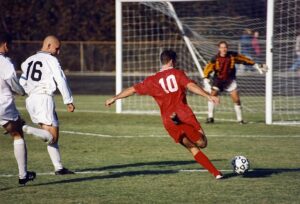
[[112, 176], [142, 164], [262, 172], [120, 174], [255, 173]]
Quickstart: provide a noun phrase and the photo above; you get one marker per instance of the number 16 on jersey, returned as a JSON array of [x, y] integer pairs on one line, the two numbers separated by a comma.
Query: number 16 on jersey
[[36, 74]]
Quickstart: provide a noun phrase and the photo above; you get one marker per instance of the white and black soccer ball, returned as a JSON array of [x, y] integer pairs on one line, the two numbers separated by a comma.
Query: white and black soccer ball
[[240, 164]]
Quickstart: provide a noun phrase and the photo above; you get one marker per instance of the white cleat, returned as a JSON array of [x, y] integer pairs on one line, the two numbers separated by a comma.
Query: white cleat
[[25, 129], [218, 177]]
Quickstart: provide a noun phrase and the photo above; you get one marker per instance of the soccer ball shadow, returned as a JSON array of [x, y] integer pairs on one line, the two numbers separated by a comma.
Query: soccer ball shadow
[[262, 172]]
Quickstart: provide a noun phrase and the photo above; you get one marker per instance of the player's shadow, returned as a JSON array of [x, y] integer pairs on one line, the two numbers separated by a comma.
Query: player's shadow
[[143, 164], [130, 173], [113, 175], [262, 172]]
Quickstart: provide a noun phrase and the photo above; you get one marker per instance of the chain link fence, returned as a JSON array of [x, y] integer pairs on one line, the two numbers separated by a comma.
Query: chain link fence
[[75, 56]]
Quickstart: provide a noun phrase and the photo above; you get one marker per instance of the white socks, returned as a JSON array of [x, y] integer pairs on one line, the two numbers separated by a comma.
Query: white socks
[[210, 109], [40, 133], [53, 151], [237, 108], [20, 152], [238, 111]]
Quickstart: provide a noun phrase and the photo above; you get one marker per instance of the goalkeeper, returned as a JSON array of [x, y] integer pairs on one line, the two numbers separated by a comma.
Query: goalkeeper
[[224, 79]]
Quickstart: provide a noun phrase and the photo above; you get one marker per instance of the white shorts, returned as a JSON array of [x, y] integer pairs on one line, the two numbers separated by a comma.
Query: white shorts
[[231, 87], [41, 109], [8, 110]]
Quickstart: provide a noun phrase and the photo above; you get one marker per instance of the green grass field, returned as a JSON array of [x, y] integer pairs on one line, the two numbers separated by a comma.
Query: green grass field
[[123, 158]]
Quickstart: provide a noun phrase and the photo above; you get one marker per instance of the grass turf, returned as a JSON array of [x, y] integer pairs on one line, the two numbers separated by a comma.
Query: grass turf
[[123, 162]]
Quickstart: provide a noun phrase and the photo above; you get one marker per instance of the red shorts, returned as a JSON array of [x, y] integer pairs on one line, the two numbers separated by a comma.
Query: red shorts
[[189, 127]]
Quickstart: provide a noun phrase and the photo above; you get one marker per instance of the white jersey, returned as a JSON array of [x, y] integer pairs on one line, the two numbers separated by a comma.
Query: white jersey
[[42, 74], [8, 85]]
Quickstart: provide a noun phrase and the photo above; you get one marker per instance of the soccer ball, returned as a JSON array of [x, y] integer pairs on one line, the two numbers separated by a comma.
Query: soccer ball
[[240, 164]]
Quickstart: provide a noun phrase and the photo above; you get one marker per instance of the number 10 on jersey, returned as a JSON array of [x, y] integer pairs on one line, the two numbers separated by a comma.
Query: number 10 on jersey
[[169, 84]]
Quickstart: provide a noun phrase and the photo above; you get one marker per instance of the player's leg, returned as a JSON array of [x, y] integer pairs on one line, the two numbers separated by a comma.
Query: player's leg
[[42, 111], [14, 128], [200, 157], [234, 93], [211, 107], [39, 133], [53, 150], [237, 105], [202, 142]]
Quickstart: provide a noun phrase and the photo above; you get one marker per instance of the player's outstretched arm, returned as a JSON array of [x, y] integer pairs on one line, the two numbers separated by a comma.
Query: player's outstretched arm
[[192, 87], [125, 93]]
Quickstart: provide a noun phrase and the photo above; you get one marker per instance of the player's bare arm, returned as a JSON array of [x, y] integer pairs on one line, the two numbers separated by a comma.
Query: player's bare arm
[[124, 94], [199, 91]]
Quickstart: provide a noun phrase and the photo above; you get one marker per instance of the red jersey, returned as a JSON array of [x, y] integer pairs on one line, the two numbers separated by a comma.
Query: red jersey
[[168, 88]]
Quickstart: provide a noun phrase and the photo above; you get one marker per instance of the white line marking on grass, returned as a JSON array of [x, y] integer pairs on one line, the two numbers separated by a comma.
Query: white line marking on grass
[[166, 136], [77, 110], [116, 172], [111, 136]]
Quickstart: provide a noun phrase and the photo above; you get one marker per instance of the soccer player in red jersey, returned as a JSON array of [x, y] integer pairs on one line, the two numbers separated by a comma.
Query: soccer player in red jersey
[[168, 88]]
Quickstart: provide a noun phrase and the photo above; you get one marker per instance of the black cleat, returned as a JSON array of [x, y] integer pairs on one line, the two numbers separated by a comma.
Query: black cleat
[[64, 171], [30, 176], [210, 120], [242, 122]]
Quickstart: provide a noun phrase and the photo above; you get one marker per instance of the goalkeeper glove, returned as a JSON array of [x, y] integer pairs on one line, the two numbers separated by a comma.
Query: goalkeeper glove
[[261, 68], [206, 84]]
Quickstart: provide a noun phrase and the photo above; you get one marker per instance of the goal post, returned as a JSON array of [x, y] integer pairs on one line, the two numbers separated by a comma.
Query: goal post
[[119, 85], [269, 61]]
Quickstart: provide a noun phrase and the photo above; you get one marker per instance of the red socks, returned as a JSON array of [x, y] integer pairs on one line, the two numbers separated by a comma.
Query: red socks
[[202, 159]]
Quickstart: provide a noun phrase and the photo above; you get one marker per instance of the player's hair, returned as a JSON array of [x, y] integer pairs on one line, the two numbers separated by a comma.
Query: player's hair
[[223, 42], [5, 38], [167, 55]]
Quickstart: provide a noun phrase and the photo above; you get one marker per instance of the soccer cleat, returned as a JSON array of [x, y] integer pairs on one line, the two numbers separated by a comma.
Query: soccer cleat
[[210, 120], [218, 177], [25, 129], [30, 176], [63, 171], [242, 122]]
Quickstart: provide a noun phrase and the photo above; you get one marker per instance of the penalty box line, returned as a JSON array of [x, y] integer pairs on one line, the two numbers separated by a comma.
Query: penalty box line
[[116, 172], [166, 136]]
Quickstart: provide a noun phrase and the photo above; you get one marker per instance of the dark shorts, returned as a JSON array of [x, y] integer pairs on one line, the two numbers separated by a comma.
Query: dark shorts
[[221, 85]]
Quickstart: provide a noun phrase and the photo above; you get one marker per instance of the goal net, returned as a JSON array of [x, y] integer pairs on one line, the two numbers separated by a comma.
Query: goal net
[[286, 62], [193, 29]]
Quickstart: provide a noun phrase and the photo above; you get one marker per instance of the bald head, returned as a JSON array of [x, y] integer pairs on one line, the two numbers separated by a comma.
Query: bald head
[[51, 44]]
